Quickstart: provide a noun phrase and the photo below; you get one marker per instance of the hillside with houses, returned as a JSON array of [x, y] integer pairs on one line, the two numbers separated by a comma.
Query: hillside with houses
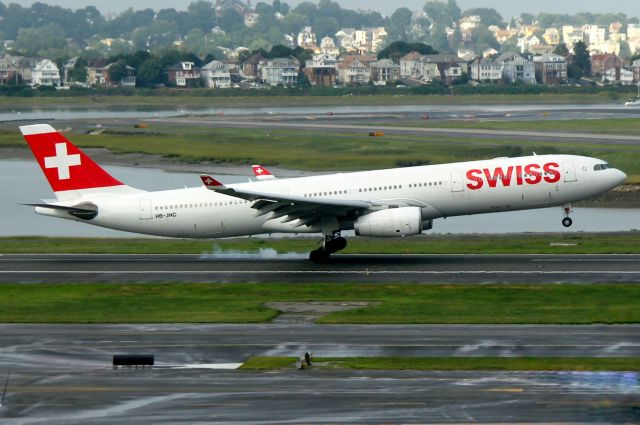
[[231, 44]]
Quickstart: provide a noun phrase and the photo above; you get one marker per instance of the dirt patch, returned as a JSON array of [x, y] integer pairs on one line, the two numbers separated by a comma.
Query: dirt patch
[[308, 312]]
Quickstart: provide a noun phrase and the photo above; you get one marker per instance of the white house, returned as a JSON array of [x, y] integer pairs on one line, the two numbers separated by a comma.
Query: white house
[[280, 71], [485, 69], [516, 68], [216, 75], [45, 73]]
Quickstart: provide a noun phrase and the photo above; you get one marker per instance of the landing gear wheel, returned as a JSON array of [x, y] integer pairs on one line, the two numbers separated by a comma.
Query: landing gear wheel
[[319, 255], [335, 245], [567, 222]]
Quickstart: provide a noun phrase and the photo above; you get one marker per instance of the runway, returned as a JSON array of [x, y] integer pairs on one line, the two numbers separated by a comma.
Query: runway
[[295, 268], [345, 124], [61, 374]]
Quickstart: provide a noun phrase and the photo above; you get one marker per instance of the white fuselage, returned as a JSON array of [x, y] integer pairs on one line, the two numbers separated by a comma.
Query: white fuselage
[[440, 190]]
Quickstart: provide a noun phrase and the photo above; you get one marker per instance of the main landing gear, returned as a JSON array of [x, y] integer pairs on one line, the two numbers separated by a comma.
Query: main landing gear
[[566, 221], [331, 243]]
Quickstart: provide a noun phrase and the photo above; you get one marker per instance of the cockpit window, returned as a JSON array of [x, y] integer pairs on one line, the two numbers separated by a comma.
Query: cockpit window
[[603, 166]]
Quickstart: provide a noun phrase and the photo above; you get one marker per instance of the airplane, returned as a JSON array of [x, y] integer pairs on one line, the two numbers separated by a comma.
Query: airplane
[[393, 202], [262, 173]]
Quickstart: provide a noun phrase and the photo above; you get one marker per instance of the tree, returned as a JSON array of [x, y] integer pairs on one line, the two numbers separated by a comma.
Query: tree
[[157, 34], [527, 18], [35, 40], [483, 39], [398, 49], [561, 49], [400, 23], [79, 71], [488, 16], [231, 20], [324, 26], [150, 73], [625, 50], [117, 72], [581, 59], [294, 22]]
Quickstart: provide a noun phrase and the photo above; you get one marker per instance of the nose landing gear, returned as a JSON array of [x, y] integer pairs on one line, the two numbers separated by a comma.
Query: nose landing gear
[[566, 221], [332, 243]]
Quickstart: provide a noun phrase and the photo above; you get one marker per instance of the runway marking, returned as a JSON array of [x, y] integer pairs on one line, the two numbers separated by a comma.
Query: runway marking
[[327, 272], [392, 404], [505, 390]]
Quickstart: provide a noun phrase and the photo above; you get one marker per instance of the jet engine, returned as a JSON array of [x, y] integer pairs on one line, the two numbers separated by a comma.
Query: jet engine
[[392, 222]]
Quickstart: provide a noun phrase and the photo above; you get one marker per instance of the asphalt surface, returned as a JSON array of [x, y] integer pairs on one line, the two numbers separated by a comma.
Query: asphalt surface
[[61, 374], [295, 268], [88, 347]]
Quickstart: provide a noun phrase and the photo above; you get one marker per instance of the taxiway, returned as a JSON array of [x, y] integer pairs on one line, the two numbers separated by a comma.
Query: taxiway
[[295, 268]]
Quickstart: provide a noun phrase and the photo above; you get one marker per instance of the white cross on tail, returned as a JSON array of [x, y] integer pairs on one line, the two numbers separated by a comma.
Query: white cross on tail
[[62, 161]]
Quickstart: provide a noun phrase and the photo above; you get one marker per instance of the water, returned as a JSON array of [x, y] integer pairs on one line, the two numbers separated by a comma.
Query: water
[[23, 182]]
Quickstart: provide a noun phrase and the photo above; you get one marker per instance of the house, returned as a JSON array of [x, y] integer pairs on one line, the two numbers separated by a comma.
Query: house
[[431, 67], [551, 36], [352, 70], [550, 69], [633, 31], [526, 43], [515, 68], [607, 46], [635, 68], [184, 74], [449, 67], [541, 49], [216, 75], [346, 39], [8, 71], [601, 63], [622, 76], [384, 71], [307, 39], [328, 46], [570, 38], [594, 33], [321, 70], [99, 76], [280, 71], [251, 18], [250, 68], [45, 73], [485, 70], [410, 65]]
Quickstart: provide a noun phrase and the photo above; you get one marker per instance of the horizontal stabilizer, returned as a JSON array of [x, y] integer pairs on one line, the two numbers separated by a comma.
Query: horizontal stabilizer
[[86, 211]]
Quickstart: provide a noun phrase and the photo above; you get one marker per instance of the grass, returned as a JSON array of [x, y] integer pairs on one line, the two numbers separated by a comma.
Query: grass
[[191, 100], [454, 363], [560, 243], [629, 126], [244, 303], [332, 150]]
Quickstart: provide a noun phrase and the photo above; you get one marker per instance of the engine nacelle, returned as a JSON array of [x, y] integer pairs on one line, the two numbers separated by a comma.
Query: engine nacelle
[[392, 222]]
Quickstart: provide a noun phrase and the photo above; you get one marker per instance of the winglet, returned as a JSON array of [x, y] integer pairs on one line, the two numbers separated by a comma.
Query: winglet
[[211, 183], [262, 173]]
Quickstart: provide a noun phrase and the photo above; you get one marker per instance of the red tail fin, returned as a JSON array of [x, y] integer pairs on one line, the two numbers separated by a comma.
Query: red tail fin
[[66, 167]]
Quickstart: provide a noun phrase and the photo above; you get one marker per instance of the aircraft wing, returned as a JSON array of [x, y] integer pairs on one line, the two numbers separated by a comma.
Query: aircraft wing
[[307, 210]]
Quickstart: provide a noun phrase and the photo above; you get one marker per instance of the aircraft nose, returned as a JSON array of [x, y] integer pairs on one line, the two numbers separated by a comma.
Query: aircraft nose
[[620, 177]]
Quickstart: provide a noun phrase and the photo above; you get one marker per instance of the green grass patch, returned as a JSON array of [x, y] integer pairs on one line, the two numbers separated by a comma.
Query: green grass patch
[[454, 363], [553, 243], [244, 303], [326, 149], [206, 99], [601, 126]]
